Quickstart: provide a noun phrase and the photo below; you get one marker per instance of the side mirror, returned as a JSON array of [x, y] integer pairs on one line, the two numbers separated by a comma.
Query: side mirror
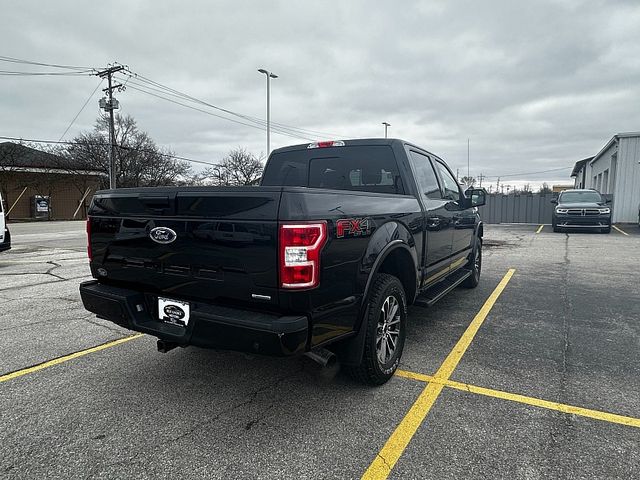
[[475, 197], [554, 201]]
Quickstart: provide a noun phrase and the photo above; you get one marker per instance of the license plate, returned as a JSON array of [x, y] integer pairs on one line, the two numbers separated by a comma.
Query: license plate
[[173, 311]]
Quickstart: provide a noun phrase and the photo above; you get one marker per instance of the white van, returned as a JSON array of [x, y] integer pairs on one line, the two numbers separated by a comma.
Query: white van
[[5, 236]]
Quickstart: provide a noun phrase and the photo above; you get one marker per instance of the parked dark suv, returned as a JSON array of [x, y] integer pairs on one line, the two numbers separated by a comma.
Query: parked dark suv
[[580, 209]]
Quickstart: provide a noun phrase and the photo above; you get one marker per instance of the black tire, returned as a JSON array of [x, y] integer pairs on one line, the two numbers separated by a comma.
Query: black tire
[[556, 229], [606, 229], [372, 370], [475, 265]]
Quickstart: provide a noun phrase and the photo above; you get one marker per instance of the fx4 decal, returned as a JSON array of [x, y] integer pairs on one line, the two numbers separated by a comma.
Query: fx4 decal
[[353, 227]]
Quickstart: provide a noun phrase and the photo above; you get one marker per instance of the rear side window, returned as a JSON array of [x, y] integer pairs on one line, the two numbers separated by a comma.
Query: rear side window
[[366, 168]]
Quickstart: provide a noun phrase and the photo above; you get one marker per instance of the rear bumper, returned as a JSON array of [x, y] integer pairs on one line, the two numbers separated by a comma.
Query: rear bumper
[[210, 326]]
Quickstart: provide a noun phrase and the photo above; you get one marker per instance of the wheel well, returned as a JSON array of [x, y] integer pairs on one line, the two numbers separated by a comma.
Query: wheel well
[[481, 231], [399, 263]]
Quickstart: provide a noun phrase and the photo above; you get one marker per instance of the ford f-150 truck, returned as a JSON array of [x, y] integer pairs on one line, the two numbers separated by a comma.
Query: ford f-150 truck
[[322, 258]]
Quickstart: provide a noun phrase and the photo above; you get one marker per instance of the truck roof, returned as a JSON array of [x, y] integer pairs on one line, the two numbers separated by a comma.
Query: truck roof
[[354, 142]]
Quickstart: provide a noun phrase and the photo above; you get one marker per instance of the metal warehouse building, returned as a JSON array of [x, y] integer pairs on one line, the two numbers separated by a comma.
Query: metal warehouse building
[[615, 170]]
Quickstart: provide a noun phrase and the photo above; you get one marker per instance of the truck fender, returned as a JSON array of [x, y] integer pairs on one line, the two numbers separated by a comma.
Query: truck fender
[[479, 231], [353, 349]]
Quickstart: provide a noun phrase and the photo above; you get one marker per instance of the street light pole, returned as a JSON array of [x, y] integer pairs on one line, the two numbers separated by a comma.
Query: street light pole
[[386, 125], [269, 76]]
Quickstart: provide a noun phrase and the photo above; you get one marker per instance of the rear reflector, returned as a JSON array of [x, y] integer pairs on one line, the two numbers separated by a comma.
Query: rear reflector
[[89, 253], [300, 247], [330, 143]]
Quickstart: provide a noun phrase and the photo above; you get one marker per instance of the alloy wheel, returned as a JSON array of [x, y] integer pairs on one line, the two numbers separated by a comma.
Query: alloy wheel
[[388, 331]]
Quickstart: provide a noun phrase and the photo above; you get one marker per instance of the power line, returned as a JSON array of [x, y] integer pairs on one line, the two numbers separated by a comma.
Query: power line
[[4, 58], [261, 124], [16, 73], [105, 144], [294, 132], [529, 173], [81, 109], [211, 113], [147, 83], [185, 96]]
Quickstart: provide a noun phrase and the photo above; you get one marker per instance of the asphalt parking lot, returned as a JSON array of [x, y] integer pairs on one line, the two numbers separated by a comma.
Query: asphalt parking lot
[[534, 374]]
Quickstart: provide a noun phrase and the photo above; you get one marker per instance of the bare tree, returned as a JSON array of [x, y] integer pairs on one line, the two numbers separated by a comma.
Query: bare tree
[[139, 161], [239, 167], [468, 181], [545, 188]]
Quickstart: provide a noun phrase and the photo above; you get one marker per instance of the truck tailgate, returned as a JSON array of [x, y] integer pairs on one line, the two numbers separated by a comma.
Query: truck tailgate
[[225, 245]]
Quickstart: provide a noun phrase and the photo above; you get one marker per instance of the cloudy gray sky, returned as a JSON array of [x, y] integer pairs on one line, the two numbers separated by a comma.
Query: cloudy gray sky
[[533, 85]]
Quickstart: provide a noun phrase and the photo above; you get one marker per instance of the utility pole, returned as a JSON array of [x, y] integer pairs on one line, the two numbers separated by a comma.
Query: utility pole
[[386, 125], [481, 178], [110, 105], [468, 174]]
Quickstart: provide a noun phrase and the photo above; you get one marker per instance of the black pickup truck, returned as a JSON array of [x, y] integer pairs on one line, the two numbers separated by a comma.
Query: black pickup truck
[[322, 258]]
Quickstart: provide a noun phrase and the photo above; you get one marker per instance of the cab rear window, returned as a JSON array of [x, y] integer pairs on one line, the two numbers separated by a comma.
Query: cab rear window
[[361, 168]]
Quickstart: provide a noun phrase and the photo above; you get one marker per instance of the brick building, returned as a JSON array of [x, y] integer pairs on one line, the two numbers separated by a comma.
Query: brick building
[[39, 185]]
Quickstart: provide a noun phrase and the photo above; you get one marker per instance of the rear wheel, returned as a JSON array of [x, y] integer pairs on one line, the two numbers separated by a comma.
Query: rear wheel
[[475, 265], [385, 324]]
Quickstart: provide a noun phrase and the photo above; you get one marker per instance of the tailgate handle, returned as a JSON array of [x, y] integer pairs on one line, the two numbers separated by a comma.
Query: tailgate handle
[[155, 200]]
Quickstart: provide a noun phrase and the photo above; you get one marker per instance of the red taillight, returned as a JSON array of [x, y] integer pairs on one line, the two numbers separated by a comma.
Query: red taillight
[[300, 246], [89, 238]]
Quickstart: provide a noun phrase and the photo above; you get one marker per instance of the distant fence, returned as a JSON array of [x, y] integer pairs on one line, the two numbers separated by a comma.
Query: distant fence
[[519, 208]]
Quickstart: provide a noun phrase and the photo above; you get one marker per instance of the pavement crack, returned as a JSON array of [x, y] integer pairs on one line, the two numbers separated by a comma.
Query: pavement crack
[[18, 274], [260, 417], [40, 322], [252, 396], [561, 430], [89, 318], [55, 265], [384, 460], [567, 310], [59, 279]]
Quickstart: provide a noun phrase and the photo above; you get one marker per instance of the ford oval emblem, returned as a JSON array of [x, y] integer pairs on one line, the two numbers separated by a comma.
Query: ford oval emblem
[[163, 235], [173, 311]]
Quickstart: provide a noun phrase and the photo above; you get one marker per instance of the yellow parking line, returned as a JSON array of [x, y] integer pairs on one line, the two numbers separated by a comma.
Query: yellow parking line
[[384, 462], [540, 228], [66, 358], [514, 397], [622, 232]]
